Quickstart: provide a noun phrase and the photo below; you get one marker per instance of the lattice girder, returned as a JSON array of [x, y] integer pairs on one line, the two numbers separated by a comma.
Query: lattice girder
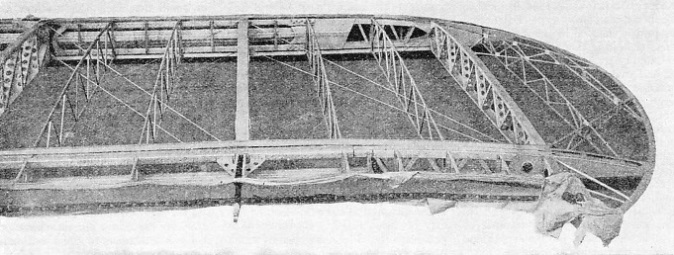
[[453, 44], [482, 87], [552, 96], [322, 83]]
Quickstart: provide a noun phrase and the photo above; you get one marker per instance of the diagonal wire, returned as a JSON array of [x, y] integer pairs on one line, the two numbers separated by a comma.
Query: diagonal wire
[[519, 51], [371, 98], [595, 180], [316, 60], [392, 91], [163, 103], [121, 101]]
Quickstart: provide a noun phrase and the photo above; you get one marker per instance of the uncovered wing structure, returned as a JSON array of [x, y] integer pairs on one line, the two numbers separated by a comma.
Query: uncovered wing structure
[[107, 114]]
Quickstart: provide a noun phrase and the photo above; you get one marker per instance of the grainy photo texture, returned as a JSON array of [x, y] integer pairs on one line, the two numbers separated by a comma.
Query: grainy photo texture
[[248, 131]]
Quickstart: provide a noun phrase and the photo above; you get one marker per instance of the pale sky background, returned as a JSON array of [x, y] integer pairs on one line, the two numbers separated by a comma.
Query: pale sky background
[[632, 40]]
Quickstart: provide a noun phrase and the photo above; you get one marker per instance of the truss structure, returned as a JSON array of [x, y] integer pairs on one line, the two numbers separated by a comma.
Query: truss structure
[[400, 80], [86, 75], [526, 61], [151, 172], [322, 83], [163, 84], [20, 65], [483, 88]]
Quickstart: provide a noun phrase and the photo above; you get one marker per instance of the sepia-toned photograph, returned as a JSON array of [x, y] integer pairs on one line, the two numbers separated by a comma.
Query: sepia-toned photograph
[[350, 127]]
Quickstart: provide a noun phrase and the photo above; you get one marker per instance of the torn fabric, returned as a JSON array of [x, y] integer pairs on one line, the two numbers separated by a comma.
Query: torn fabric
[[566, 200], [436, 206]]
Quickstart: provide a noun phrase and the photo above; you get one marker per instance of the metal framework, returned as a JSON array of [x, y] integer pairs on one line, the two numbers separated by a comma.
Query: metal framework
[[405, 88], [18, 70], [474, 162], [450, 162], [163, 86], [206, 37], [245, 37], [96, 58], [527, 58], [402, 83], [280, 36], [322, 83], [19, 64], [483, 88]]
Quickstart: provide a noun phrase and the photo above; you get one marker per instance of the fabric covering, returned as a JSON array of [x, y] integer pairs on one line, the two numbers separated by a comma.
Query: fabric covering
[[566, 200]]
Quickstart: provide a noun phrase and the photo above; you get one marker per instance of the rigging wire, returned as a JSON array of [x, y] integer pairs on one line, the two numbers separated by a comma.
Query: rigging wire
[[120, 100], [373, 99], [432, 110], [160, 101]]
